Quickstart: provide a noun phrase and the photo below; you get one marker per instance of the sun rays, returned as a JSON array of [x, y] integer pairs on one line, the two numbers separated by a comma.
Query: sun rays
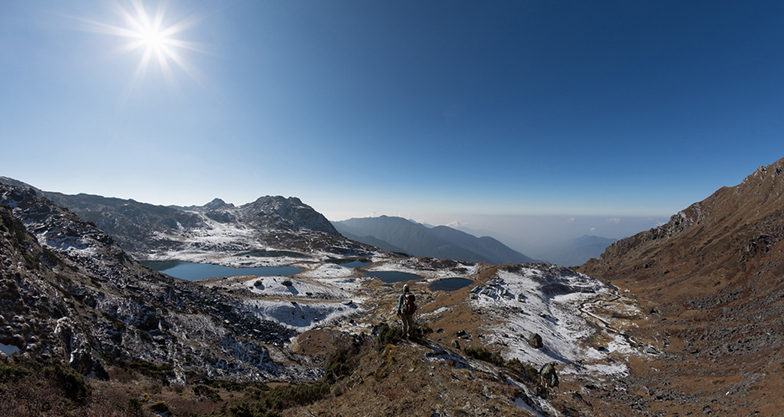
[[152, 37]]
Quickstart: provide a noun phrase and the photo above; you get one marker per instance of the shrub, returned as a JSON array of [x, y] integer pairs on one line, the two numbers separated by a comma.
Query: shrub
[[269, 403], [252, 410], [526, 369], [339, 365], [205, 391], [162, 373], [35, 389], [71, 382], [301, 394], [484, 354], [391, 335], [159, 407], [12, 373], [135, 405]]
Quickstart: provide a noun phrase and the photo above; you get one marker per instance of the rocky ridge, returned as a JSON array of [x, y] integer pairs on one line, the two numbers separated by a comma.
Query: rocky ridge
[[713, 279], [148, 231], [70, 292]]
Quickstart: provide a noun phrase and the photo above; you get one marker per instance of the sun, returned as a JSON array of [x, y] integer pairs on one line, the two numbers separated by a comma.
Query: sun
[[153, 38], [150, 35]]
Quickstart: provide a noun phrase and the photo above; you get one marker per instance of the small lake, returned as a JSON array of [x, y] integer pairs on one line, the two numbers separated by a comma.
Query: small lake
[[392, 276], [450, 284], [262, 253], [351, 262], [356, 264], [192, 271]]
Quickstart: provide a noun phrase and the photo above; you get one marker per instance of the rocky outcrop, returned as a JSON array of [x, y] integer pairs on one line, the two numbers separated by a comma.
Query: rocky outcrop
[[289, 214], [137, 227], [69, 292], [716, 236], [148, 231]]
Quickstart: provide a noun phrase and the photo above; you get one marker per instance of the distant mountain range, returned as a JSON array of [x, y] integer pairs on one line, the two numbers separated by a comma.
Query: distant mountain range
[[401, 235], [148, 231], [566, 252]]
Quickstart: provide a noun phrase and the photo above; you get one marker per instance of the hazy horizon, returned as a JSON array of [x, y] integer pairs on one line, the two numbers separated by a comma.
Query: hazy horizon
[[528, 234], [523, 233]]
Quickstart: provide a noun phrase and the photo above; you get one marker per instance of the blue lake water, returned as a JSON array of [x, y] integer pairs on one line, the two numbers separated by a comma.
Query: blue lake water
[[355, 264], [263, 253], [450, 284], [192, 271], [392, 276]]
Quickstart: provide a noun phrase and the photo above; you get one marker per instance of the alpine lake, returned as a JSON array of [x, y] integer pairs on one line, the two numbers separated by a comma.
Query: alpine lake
[[191, 271], [445, 284]]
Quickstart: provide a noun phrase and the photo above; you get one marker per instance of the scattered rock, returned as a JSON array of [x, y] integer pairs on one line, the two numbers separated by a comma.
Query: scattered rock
[[535, 341]]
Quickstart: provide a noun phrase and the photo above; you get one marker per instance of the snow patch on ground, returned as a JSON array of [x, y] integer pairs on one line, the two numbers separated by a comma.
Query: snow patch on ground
[[349, 285], [218, 233], [326, 271], [420, 267], [519, 402], [235, 261], [300, 315], [543, 299], [436, 312], [318, 289]]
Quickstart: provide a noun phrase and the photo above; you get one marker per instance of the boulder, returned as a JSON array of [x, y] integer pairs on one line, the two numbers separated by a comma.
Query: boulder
[[535, 341]]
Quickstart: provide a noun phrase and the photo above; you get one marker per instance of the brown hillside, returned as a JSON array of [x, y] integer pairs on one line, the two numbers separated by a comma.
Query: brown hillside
[[713, 280]]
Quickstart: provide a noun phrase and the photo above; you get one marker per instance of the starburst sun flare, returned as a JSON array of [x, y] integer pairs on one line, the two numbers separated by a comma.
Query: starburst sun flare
[[150, 35]]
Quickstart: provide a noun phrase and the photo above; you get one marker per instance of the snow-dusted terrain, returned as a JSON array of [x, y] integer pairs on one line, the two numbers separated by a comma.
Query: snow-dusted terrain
[[519, 300], [552, 302], [429, 268]]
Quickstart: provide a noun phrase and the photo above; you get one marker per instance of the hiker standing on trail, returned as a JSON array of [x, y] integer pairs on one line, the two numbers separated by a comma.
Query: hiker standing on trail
[[406, 309], [548, 375]]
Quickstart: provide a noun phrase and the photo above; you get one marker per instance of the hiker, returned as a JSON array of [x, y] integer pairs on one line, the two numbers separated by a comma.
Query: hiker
[[406, 309], [548, 376]]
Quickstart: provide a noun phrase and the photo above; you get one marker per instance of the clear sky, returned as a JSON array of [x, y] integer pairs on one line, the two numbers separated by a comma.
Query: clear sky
[[424, 109]]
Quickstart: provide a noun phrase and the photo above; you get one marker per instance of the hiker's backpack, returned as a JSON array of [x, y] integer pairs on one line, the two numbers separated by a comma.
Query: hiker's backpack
[[408, 306]]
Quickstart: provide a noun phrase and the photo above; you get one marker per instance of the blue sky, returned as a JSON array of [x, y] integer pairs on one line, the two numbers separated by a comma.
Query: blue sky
[[425, 109]]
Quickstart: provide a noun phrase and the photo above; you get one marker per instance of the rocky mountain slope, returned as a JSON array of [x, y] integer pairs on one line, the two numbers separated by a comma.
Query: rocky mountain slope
[[713, 279], [418, 240], [70, 292], [148, 231]]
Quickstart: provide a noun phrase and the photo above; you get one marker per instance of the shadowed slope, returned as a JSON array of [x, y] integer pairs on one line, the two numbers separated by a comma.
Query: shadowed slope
[[713, 278]]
